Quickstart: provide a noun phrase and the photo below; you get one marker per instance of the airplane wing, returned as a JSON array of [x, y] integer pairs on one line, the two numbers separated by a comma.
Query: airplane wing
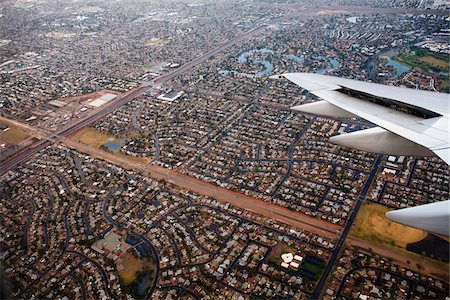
[[409, 122]]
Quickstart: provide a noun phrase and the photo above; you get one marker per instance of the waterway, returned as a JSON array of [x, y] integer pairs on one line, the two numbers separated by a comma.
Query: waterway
[[400, 68], [269, 67], [333, 61]]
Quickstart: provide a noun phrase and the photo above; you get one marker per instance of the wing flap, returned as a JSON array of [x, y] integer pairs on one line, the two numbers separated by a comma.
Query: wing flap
[[323, 108], [405, 125], [379, 140], [436, 102]]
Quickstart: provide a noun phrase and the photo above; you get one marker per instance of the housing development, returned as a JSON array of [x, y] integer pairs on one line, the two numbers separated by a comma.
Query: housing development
[[146, 152]]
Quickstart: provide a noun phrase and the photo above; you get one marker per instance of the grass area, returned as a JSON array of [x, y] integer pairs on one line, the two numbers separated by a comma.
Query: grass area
[[428, 62], [433, 61], [96, 139], [425, 60], [15, 135], [316, 269], [92, 137], [372, 225]]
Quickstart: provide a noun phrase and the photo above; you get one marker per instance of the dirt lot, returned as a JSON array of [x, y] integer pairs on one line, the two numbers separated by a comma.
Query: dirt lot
[[131, 267], [15, 135], [372, 225], [92, 137], [280, 248]]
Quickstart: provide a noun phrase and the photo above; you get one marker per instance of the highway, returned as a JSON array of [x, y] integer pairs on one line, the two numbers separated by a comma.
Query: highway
[[25, 154], [28, 152]]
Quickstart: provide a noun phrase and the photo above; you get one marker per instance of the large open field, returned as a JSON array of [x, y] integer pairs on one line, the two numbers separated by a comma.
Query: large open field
[[95, 139], [428, 62], [92, 137], [425, 60], [433, 61], [372, 225], [154, 42], [15, 135], [131, 267]]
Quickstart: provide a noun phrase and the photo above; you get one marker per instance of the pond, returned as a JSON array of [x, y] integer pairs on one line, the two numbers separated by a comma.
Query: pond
[[334, 64], [400, 68], [114, 146], [144, 285]]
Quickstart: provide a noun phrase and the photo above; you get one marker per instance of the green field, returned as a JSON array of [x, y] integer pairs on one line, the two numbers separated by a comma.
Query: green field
[[428, 62], [317, 270]]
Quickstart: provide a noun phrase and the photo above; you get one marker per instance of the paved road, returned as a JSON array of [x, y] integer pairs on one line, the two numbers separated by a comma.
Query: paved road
[[80, 284], [174, 244], [340, 244], [103, 273]]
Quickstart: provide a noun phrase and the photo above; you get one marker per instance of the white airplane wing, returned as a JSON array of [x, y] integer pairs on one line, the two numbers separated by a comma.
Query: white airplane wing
[[410, 122]]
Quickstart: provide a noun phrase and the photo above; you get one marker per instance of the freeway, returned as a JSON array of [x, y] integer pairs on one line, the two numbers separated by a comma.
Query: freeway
[[28, 152], [25, 154]]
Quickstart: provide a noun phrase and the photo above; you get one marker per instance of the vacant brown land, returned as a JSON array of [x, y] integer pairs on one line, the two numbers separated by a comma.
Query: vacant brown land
[[131, 266], [14, 135], [261, 207], [92, 137], [372, 225]]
